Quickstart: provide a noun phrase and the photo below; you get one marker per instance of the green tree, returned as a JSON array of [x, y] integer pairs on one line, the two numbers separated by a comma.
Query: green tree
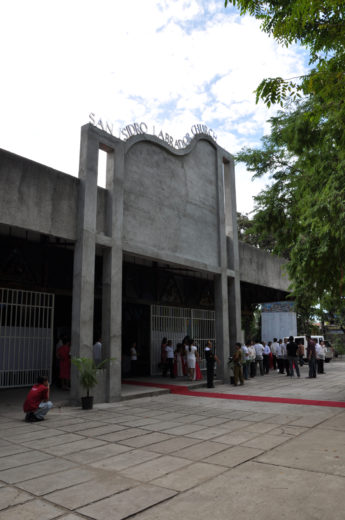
[[303, 209], [318, 25], [247, 233]]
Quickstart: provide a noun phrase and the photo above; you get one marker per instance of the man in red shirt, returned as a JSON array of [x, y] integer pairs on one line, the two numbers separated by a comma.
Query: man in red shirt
[[37, 403]]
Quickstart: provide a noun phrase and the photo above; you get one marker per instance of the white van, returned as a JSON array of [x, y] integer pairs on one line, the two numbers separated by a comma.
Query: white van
[[317, 339]]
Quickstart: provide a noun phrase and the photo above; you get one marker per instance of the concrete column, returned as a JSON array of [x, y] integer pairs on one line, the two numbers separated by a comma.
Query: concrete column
[[221, 283], [234, 293], [222, 323], [112, 272], [231, 216], [84, 253], [235, 327], [112, 320]]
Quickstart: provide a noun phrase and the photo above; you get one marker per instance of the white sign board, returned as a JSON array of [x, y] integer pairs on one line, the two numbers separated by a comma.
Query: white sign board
[[278, 325]]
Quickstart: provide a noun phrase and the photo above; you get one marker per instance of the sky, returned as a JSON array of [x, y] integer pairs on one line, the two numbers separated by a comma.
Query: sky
[[170, 64]]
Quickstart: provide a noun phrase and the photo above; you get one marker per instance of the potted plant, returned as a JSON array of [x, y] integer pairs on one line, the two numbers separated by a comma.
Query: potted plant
[[87, 377]]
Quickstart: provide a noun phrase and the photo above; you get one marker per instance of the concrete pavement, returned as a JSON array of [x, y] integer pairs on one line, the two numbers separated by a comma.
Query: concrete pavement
[[170, 456]]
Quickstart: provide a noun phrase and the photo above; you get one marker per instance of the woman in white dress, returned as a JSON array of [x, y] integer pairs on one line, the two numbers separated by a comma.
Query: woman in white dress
[[192, 356]]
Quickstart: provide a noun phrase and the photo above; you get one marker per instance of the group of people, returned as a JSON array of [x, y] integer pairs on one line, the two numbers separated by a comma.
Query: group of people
[[285, 356], [185, 360]]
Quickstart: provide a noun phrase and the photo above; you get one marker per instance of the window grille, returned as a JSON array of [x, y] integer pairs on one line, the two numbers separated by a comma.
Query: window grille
[[26, 336], [175, 323]]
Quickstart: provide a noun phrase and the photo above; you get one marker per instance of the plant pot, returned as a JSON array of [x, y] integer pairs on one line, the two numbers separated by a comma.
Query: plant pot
[[87, 402]]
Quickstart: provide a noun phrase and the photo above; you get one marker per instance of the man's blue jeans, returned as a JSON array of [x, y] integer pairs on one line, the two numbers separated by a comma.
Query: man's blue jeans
[[293, 361], [312, 367], [43, 409]]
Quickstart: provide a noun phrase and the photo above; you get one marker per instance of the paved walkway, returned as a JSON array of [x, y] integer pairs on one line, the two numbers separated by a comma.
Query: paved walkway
[[176, 456]]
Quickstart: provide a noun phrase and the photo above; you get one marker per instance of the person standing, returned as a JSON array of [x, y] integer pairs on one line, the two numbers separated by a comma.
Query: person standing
[[63, 355], [197, 372], [211, 358], [266, 356], [97, 352], [252, 358], [259, 350], [134, 359], [274, 347], [237, 360], [192, 356], [292, 350], [286, 361], [245, 358], [320, 356], [280, 356], [179, 369], [164, 365], [170, 358], [37, 404], [301, 352], [311, 355]]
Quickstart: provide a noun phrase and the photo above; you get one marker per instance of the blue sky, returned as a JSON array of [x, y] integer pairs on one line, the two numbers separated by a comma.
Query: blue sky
[[169, 63]]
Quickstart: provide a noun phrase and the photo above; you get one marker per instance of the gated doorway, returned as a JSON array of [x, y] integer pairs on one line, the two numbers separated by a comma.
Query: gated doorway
[[177, 322], [136, 328], [26, 336]]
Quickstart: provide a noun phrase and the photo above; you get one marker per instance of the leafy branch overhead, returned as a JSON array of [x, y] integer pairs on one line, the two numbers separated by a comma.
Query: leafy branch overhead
[[276, 90], [316, 25], [302, 210]]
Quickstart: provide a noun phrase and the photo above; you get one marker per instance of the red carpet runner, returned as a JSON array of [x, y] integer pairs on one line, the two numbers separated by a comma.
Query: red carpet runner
[[184, 390]]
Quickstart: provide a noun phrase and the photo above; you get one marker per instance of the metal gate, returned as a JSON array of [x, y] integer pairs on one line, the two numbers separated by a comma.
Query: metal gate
[[177, 322], [26, 336]]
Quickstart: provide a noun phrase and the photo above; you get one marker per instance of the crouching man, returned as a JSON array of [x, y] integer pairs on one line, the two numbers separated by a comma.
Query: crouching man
[[37, 403]]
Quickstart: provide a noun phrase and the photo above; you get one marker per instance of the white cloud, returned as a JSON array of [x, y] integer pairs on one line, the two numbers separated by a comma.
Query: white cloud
[[246, 189], [169, 63]]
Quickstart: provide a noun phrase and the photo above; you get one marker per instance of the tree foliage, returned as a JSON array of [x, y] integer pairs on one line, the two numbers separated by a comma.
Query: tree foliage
[[303, 208], [247, 233], [318, 25]]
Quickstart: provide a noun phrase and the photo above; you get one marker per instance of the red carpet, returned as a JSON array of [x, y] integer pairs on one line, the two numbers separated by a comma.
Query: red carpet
[[184, 390]]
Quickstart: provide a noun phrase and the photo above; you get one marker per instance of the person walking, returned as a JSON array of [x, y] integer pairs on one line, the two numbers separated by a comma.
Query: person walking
[[237, 360], [311, 355], [292, 350]]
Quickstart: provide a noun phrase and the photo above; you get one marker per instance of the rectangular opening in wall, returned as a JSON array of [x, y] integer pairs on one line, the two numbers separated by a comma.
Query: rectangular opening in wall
[[228, 199], [102, 168]]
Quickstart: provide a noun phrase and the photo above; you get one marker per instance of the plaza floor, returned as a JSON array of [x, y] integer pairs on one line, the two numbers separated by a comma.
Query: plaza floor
[[175, 456]]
